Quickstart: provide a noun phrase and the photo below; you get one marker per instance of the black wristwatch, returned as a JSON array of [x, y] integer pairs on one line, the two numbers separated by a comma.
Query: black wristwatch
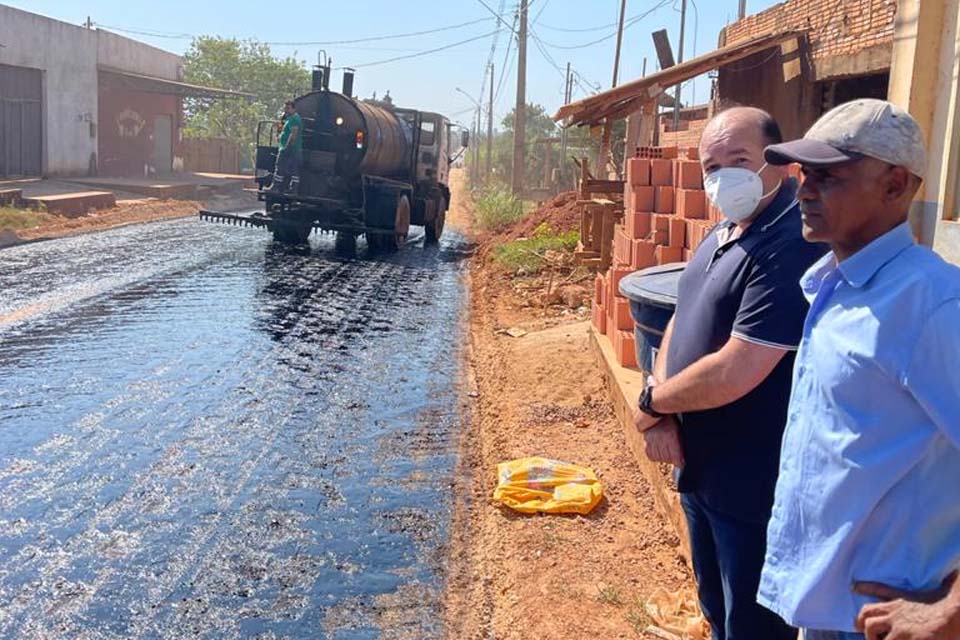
[[646, 402]]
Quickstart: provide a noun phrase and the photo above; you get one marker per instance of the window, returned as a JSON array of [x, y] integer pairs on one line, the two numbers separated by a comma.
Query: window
[[427, 133]]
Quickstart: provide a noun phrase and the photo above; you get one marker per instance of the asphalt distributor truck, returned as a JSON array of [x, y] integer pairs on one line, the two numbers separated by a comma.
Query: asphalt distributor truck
[[368, 169]]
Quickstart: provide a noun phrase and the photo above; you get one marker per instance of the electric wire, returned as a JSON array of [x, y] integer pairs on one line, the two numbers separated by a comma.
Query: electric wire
[[419, 53], [627, 24], [187, 36]]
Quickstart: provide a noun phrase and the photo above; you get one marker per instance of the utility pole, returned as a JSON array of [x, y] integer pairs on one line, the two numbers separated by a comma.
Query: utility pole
[[490, 126], [616, 56], [476, 146], [89, 23], [567, 95], [742, 12], [683, 24], [520, 113]]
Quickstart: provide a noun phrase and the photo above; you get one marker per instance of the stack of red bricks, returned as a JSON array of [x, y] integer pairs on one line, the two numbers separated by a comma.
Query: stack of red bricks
[[666, 216]]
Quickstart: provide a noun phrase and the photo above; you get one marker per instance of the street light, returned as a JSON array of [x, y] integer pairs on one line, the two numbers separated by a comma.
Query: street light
[[475, 169]]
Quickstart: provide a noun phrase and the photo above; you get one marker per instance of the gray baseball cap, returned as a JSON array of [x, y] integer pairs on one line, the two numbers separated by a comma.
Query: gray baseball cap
[[864, 127]]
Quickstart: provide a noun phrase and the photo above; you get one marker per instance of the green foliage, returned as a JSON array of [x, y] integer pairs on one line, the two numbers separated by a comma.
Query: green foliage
[[496, 206], [581, 141], [246, 66], [12, 218], [529, 254]]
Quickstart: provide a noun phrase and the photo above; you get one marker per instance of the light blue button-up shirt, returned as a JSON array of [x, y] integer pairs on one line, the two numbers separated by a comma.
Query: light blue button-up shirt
[[869, 484]]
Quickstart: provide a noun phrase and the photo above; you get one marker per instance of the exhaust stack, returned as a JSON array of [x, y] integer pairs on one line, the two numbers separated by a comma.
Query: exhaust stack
[[348, 82]]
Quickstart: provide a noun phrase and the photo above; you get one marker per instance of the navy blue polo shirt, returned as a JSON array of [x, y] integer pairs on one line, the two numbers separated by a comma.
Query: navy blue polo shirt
[[748, 288]]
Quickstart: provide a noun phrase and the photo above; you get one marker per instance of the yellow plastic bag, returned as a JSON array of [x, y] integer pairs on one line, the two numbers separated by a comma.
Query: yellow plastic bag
[[532, 485]]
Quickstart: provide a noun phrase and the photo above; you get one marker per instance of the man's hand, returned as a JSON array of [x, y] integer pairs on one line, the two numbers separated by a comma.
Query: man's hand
[[645, 421], [905, 615], [663, 442]]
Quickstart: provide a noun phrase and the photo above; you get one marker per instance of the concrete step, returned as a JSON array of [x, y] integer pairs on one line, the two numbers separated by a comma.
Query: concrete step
[[73, 205]]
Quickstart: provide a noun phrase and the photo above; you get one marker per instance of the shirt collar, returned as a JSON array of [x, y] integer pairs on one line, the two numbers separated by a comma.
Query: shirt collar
[[859, 268], [813, 279]]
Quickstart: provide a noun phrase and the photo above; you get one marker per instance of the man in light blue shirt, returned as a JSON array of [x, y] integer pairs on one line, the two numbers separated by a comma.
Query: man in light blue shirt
[[865, 531]]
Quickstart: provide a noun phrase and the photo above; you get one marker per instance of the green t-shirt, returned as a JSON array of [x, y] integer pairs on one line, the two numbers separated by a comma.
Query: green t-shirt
[[291, 122]]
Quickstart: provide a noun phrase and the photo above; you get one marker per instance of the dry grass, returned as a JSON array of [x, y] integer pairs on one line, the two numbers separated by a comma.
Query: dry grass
[[11, 218]]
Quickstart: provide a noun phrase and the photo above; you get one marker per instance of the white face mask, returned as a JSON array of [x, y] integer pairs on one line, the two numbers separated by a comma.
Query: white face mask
[[736, 191]]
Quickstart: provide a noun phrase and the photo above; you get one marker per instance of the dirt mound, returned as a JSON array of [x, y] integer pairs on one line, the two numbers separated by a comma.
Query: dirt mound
[[561, 213]]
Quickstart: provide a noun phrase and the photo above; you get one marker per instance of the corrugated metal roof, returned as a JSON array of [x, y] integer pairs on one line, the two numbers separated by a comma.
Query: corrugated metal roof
[[621, 101], [152, 84]]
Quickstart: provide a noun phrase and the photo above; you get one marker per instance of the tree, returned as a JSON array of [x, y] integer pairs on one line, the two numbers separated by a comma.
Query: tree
[[539, 126], [246, 66], [539, 123]]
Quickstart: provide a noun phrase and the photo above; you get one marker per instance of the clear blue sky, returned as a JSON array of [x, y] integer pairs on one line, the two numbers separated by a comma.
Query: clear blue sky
[[428, 82]]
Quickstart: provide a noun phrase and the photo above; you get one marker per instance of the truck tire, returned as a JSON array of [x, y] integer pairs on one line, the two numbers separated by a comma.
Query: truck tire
[[401, 226], [434, 228], [290, 232], [345, 243], [374, 242]]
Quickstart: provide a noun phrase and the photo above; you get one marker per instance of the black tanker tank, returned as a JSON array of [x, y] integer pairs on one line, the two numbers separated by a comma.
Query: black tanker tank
[[368, 169], [350, 138]]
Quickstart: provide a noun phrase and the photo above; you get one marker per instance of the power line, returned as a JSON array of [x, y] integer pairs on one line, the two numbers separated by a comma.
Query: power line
[[594, 87], [589, 29], [505, 70], [187, 36], [629, 23], [540, 13], [498, 16], [493, 51], [420, 53]]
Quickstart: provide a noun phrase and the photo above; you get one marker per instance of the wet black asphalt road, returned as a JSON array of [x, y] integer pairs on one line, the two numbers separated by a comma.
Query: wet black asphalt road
[[203, 434]]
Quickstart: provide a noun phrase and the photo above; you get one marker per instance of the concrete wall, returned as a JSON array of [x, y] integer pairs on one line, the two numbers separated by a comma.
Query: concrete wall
[[925, 80], [67, 55], [123, 53]]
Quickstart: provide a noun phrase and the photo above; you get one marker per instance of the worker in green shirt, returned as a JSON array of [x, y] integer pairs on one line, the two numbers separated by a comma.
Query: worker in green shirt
[[290, 153]]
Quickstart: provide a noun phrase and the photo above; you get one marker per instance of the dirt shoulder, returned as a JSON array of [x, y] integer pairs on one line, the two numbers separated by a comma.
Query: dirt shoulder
[[517, 576], [125, 213]]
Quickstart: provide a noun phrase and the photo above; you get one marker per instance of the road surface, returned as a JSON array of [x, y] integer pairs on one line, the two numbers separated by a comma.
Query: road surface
[[204, 434]]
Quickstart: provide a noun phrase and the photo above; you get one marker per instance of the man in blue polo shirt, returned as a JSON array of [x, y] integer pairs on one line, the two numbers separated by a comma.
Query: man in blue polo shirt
[[724, 369], [865, 532]]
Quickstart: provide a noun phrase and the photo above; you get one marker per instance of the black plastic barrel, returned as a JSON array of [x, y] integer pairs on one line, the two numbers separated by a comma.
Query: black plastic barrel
[[653, 299]]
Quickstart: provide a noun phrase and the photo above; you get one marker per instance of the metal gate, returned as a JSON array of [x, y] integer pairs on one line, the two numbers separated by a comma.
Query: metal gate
[[163, 144], [21, 122]]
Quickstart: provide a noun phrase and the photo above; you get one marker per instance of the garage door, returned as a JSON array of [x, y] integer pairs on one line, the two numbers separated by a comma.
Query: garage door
[[21, 122]]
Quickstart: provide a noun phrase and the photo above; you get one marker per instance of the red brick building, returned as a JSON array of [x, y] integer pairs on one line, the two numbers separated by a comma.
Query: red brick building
[[845, 53]]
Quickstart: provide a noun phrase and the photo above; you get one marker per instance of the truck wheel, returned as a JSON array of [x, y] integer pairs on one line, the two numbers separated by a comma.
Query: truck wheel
[[345, 243], [434, 229], [401, 225], [374, 242], [289, 232]]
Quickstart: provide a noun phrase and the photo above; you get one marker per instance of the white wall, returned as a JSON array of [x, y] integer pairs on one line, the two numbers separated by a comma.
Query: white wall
[[67, 55], [125, 54]]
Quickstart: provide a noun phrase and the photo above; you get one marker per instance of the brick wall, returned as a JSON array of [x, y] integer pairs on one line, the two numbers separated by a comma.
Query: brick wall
[[687, 135], [835, 27], [690, 127]]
